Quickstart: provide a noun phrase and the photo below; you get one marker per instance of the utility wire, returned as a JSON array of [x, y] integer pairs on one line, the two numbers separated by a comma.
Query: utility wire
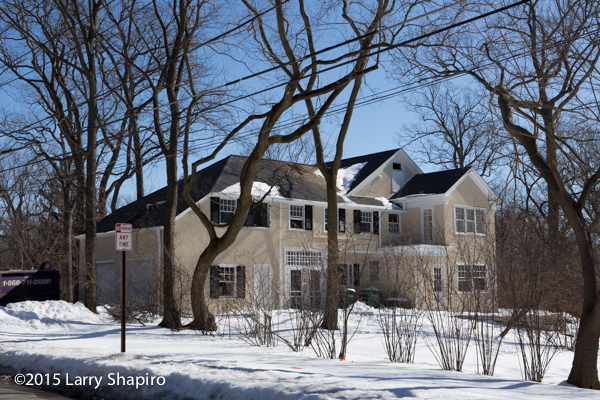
[[401, 91], [100, 95], [253, 75]]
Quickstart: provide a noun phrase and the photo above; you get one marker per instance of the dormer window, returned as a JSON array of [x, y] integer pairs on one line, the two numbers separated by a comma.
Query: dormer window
[[397, 166]]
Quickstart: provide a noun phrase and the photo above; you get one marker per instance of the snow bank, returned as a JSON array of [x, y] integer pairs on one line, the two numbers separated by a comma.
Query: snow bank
[[68, 339], [45, 314]]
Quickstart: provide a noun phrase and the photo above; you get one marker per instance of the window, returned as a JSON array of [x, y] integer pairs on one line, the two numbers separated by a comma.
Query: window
[[341, 220], [373, 271], [227, 281], [227, 209], [397, 166], [304, 279], [428, 225], [296, 217], [222, 210], [472, 277], [469, 220], [393, 224], [258, 215], [300, 217], [366, 222], [303, 258], [349, 274]]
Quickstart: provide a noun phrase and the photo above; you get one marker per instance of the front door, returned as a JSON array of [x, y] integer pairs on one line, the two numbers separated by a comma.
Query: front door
[[305, 288]]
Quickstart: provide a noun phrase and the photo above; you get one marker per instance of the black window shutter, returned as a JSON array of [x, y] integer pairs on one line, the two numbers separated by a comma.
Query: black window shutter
[[356, 275], [341, 220], [241, 281], [214, 281], [356, 221], [215, 204], [376, 222], [308, 218], [264, 215]]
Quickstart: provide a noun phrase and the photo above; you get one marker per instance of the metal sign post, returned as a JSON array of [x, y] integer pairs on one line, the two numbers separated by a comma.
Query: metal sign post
[[123, 243]]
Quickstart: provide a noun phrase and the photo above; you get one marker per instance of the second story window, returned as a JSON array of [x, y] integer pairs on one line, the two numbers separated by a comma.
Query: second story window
[[222, 210], [366, 222], [394, 224], [341, 220], [428, 225], [469, 220], [227, 208], [296, 217], [300, 217]]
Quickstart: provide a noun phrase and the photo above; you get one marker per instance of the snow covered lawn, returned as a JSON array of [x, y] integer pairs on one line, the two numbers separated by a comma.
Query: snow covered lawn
[[58, 338]]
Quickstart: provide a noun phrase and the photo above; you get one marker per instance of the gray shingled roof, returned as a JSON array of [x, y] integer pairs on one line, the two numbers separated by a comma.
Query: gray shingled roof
[[294, 181], [431, 183]]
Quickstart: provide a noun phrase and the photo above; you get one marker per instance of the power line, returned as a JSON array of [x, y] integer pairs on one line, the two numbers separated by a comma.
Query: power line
[[254, 75], [387, 49], [98, 96]]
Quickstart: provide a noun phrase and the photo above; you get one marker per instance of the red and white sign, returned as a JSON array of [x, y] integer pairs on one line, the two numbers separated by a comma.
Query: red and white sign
[[123, 237]]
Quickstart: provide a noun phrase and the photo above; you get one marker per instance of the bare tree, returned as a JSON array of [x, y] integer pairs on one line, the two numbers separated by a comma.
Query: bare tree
[[52, 51], [170, 34], [365, 30], [539, 61], [302, 71], [454, 129]]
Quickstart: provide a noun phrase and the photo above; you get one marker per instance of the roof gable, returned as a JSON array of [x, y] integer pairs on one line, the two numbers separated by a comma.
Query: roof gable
[[431, 183], [373, 164]]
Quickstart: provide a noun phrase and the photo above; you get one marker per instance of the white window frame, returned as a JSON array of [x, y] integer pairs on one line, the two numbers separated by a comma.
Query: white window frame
[[432, 240], [302, 219], [478, 214], [370, 222], [234, 268], [398, 223], [370, 263], [349, 270], [471, 277], [225, 204]]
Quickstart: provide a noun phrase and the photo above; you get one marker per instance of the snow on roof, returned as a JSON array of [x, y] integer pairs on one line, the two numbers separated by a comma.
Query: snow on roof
[[347, 175], [259, 190]]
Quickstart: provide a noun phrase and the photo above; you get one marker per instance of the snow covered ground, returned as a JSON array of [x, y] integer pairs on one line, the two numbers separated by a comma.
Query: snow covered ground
[[68, 342]]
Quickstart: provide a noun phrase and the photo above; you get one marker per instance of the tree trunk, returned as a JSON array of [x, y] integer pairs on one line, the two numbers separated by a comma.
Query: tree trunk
[[90, 211], [203, 318], [584, 372], [67, 273], [330, 317], [171, 316]]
